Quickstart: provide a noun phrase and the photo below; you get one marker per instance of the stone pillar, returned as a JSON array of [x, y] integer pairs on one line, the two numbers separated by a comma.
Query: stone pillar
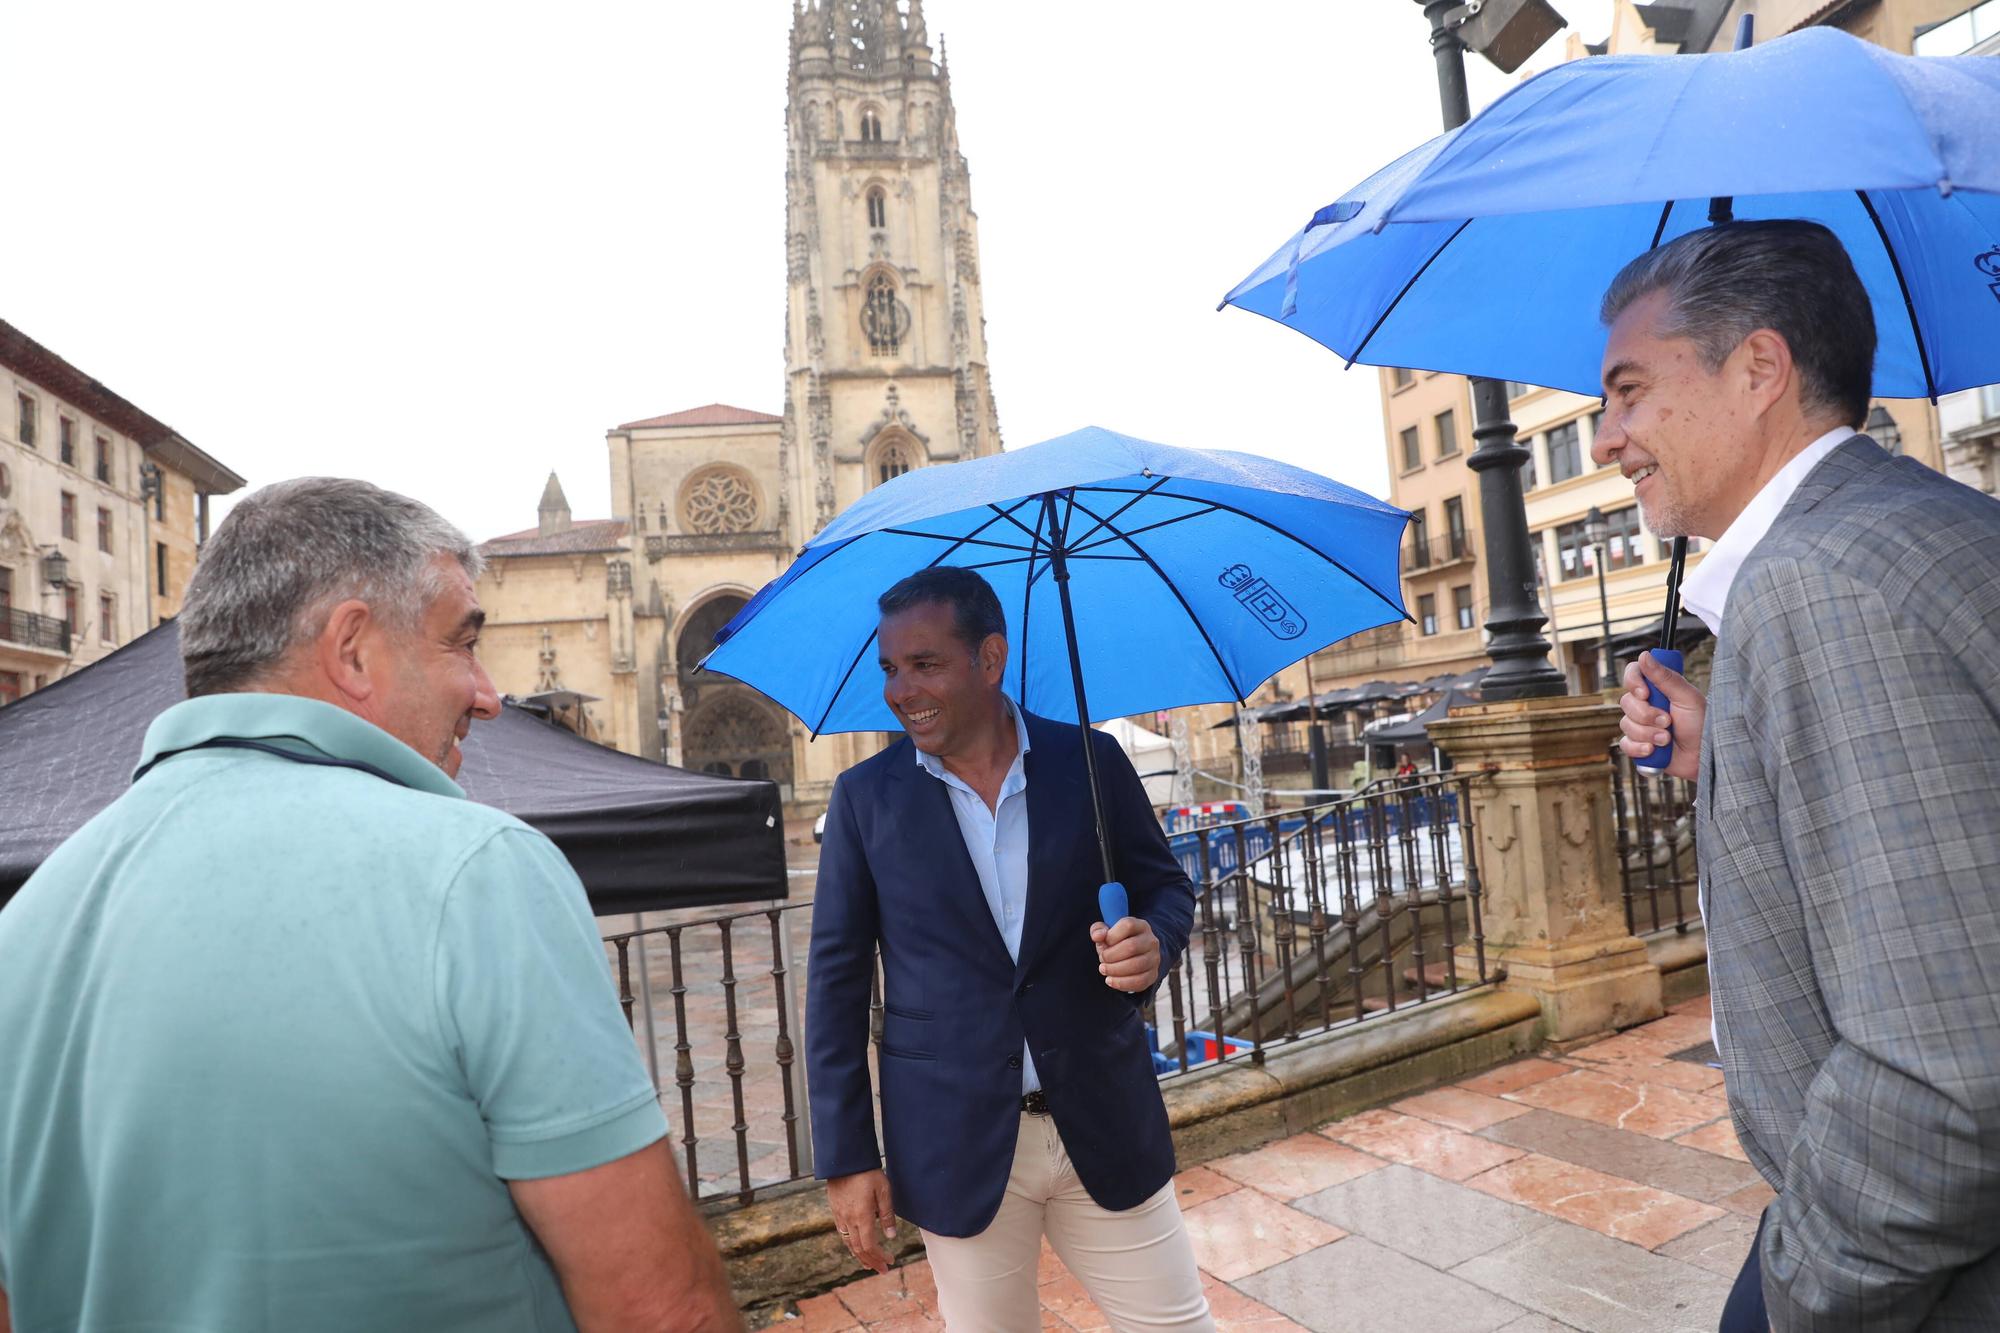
[[1553, 909]]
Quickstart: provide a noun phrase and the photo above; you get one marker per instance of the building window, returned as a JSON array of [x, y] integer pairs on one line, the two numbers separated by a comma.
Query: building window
[[68, 516], [25, 419], [66, 441], [6, 591], [1529, 479], [71, 616], [1420, 541], [719, 500], [10, 688], [1622, 548], [1596, 425], [104, 529], [871, 126], [1461, 606], [884, 319], [104, 460], [1401, 377], [160, 569], [1565, 454], [1427, 613], [1667, 546], [892, 462], [1413, 453], [1454, 528], [107, 618], [1447, 426], [1516, 389], [1958, 36], [1575, 557], [878, 208]]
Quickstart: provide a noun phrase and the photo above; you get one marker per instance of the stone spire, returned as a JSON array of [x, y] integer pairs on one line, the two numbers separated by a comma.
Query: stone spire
[[554, 509], [917, 34]]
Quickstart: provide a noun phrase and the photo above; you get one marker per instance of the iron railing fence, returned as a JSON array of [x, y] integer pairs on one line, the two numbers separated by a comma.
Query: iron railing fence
[[1305, 922], [1656, 860]]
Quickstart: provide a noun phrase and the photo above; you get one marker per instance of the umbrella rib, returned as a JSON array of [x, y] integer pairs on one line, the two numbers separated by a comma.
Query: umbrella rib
[[1034, 533], [1173, 588], [1909, 306], [1414, 278], [1119, 513], [1661, 230], [1165, 522], [955, 541], [1027, 595]]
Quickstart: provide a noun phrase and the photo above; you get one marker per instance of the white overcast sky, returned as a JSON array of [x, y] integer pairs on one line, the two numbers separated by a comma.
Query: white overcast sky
[[445, 246]]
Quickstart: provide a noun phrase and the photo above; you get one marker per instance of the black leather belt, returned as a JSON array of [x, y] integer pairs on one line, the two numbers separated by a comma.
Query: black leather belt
[[1034, 1103]]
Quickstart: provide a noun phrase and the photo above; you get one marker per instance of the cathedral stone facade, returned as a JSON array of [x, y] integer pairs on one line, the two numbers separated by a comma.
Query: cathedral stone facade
[[885, 370]]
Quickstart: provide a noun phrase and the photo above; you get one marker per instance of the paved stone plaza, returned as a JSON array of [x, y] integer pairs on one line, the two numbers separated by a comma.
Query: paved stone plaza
[[1603, 1190]]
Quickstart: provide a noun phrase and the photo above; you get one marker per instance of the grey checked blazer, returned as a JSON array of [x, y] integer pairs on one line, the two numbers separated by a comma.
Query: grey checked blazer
[[1850, 847]]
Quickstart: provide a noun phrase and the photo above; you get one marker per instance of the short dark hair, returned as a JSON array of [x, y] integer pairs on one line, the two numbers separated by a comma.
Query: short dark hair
[[975, 609], [1725, 282]]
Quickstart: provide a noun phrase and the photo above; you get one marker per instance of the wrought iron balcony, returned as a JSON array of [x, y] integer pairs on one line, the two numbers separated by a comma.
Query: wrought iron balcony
[[34, 631], [1437, 552]]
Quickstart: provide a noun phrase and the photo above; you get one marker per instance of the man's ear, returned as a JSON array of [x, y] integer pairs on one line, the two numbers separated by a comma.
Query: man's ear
[[346, 650], [993, 657], [1765, 362]]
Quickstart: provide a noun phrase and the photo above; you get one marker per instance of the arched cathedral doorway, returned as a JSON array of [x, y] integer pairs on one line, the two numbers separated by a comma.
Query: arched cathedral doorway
[[727, 728]]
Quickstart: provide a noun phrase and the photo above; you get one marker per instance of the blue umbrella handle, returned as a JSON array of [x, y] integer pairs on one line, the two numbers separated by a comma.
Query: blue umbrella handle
[[1662, 755], [1112, 904]]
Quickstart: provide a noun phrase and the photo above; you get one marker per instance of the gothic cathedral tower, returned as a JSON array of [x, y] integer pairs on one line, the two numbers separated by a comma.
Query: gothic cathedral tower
[[885, 339]]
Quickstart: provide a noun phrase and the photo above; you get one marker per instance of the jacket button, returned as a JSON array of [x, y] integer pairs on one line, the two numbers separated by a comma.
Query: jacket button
[[1013, 1062]]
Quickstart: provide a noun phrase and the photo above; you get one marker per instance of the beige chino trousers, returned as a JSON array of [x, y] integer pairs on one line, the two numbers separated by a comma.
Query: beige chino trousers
[[1137, 1265]]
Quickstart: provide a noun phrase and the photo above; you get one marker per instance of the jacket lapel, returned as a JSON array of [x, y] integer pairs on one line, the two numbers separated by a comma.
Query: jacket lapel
[[1057, 800], [1853, 457], [929, 806]]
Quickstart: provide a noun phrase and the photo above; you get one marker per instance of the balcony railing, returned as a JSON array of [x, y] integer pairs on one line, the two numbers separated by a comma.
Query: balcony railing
[[1437, 552], [34, 631], [1305, 922]]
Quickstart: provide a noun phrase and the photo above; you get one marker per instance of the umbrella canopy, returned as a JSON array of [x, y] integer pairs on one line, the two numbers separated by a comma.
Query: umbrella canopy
[[641, 836], [1486, 251], [1195, 575], [1382, 692]]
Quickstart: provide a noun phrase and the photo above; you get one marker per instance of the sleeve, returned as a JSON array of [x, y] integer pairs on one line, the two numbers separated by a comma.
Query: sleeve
[[839, 971], [526, 1005], [1885, 759], [1155, 885]]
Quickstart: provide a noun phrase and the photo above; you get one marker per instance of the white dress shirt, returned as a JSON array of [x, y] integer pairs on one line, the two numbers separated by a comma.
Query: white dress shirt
[[997, 840], [1705, 589]]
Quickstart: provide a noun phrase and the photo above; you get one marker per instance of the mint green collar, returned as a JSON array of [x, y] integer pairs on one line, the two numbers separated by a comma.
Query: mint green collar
[[289, 718]]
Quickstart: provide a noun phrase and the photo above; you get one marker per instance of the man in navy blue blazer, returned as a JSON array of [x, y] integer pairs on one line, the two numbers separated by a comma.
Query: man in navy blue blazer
[[1017, 1087]]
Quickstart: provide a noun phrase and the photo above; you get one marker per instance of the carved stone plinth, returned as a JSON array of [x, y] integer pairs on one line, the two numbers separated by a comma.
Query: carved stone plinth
[[1547, 843]]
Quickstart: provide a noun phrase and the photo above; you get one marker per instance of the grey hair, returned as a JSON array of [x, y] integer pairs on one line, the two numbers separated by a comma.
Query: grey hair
[[287, 555], [975, 608], [1725, 282]]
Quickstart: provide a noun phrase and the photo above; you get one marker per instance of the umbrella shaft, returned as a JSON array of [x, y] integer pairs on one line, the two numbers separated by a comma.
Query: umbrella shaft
[[1059, 570]]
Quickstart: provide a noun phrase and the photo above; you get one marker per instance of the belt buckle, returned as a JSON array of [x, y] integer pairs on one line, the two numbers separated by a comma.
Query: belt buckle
[[1034, 1103]]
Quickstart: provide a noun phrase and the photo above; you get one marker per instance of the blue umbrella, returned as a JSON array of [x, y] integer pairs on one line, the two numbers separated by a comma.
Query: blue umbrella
[[1163, 576], [1486, 251]]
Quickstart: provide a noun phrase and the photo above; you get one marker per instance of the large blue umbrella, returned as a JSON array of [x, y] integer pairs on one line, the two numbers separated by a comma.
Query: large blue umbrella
[[1486, 251], [1135, 576]]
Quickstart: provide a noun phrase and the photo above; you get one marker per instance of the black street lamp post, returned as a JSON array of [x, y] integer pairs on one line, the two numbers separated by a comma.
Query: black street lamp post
[[1598, 533], [1504, 31]]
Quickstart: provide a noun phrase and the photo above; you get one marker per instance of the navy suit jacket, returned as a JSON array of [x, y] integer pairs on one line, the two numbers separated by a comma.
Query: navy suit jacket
[[894, 875]]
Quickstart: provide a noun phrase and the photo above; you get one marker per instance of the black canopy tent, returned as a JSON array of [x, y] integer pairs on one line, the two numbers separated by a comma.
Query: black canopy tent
[[642, 836], [1412, 730]]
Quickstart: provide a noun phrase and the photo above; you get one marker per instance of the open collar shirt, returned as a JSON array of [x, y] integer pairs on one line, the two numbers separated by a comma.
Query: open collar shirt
[[997, 841]]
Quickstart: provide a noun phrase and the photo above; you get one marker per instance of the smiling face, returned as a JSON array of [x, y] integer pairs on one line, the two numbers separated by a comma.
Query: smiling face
[[944, 691], [1682, 434], [439, 685]]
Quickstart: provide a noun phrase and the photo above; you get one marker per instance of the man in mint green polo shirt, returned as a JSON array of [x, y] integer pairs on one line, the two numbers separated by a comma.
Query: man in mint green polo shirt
[[297, 1037]]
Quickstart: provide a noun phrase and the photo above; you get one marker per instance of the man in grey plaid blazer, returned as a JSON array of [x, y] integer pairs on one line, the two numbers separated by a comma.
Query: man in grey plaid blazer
[[1848, 762]]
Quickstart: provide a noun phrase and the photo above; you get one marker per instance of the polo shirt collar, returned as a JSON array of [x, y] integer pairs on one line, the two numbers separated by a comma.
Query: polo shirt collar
[[291, 721]]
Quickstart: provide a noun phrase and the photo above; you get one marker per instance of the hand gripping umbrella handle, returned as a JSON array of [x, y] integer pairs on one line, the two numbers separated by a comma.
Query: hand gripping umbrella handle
[[1112, 904], [1662, 755]]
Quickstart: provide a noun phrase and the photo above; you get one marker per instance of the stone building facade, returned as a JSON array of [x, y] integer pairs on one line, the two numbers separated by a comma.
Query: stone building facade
[[102, 509], [885, 371]]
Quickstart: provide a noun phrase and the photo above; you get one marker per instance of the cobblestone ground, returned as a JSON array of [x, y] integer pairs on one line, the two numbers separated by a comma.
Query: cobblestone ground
[[1603, 1190]]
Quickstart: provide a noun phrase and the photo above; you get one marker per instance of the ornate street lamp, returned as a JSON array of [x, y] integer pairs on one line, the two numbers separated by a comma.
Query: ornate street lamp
[[55, 569], [1506, 32], [1882, 428], [1597, 532]]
